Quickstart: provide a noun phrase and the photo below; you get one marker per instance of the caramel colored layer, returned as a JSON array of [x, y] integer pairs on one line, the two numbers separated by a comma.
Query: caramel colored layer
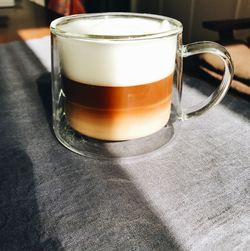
[[117, 113]]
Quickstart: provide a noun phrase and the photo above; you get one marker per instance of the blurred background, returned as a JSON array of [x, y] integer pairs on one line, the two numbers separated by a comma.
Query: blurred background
[[223, 21], [18, 15]]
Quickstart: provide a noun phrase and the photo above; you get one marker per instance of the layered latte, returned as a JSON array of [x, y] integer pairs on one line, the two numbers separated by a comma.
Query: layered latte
[[117, 89]]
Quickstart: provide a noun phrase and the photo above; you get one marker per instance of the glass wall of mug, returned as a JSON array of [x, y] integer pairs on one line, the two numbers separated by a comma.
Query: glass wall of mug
[[116, 82]]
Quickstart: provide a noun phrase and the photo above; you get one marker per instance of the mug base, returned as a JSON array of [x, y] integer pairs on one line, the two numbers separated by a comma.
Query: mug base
[[100, 149]]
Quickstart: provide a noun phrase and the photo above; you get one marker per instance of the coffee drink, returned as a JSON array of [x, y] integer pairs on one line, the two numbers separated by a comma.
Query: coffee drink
[[116, 89], [117, 113]]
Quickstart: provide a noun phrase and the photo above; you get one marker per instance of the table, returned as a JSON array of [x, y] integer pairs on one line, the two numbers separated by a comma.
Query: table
[[192, 195]]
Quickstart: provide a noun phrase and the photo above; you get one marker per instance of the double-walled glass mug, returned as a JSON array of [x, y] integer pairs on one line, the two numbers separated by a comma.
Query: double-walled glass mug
[[117, 82]]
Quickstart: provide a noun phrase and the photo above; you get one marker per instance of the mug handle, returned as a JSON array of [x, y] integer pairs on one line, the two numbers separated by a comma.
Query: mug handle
[[220, 92]]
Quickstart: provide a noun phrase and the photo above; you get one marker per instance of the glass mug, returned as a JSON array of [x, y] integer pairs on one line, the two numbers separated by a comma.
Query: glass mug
[[117, 82]]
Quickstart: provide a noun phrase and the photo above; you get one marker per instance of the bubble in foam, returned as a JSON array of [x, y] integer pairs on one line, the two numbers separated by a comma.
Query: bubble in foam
[[116, 26]]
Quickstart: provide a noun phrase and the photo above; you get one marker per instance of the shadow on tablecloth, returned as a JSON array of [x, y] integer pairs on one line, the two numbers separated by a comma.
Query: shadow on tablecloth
[[51, 198]]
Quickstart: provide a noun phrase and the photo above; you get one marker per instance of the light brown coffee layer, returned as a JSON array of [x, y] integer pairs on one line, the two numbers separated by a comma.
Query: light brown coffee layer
[[117, 113], [124, 125]]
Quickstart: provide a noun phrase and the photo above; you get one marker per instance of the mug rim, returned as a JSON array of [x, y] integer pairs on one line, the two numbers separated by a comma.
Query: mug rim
[[176, 27]]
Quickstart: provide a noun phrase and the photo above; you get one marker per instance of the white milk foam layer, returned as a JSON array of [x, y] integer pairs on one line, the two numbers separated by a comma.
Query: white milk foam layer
[[116, 26], [117, 63]]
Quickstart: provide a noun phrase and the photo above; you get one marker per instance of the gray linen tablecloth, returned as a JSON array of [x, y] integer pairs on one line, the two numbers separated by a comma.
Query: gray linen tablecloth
[[192, 195]]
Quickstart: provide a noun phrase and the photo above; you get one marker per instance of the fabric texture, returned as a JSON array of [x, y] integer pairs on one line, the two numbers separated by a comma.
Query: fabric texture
[[193, 194], [237, 85], [240, 54]]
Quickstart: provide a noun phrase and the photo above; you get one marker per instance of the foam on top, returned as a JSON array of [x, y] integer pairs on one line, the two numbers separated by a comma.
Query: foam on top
[[118, 63], [116, 26]]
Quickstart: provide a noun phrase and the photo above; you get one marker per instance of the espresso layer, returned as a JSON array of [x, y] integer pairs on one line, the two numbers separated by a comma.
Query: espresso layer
[[117, 113], [116, 98]]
